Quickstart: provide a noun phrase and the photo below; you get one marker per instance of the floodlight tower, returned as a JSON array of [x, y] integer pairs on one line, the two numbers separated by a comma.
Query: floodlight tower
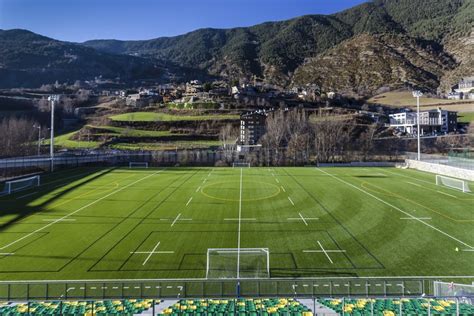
[[53, 99], [418, 94]]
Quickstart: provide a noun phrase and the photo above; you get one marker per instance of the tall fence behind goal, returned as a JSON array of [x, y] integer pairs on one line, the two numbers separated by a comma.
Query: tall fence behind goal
[[13, 186], [453, 183], [234, 263]]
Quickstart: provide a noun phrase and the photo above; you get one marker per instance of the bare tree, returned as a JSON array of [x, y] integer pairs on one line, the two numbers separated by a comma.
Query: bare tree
[[366, 141], [332, 138], [228, 137], [17, 137]]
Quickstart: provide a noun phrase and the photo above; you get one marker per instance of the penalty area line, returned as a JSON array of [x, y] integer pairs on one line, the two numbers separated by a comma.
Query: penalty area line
[[79, 209], [189, 201], [396, 208]]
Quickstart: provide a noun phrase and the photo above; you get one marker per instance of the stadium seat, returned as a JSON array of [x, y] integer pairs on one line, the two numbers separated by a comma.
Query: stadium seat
[[252, 307], [391, 307], [109, 307]]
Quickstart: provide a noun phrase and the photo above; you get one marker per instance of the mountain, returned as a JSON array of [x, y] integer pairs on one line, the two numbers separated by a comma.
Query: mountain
[[425, 43], [367, 62], [28, 60]]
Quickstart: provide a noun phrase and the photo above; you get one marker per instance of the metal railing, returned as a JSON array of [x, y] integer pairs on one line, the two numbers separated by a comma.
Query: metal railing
[[205, 288]]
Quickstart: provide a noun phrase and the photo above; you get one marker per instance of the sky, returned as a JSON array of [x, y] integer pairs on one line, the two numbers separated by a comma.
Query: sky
[[81, 20]]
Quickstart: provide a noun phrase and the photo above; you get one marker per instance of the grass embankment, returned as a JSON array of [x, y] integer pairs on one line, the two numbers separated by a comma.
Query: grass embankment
[[165, 117]]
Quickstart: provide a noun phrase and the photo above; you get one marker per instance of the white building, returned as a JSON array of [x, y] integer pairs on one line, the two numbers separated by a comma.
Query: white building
[[431, 122]]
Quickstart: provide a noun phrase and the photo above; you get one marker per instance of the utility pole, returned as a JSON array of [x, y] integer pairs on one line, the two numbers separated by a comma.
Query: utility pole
[[417, 94], [52, 100]]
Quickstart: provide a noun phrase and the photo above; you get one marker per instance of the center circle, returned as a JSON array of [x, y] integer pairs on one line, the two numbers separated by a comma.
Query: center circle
[[230, 191]]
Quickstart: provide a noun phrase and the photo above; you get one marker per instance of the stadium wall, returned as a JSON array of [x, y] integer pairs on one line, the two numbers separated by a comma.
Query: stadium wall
[[441, 169]]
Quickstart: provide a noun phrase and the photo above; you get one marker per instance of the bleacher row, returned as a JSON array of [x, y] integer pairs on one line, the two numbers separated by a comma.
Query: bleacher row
[[241, 307]]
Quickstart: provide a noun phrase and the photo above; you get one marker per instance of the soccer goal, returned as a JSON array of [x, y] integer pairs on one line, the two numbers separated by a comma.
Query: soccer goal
[[138, 164], [235, 263], [21, 184], [241, 165], [453, 183]]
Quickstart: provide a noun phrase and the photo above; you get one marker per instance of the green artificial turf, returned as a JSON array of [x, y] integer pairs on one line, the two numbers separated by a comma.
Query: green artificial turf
[[89, 223]]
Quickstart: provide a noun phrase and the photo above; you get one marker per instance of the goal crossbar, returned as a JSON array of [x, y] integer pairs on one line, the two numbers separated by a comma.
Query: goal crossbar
[[453, 183]]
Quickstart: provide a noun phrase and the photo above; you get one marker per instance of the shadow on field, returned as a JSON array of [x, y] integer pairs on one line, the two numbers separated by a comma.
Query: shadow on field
[[18, 205]]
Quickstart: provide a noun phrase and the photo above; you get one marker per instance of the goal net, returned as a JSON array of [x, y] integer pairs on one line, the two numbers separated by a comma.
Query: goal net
[[234, 263], [138, 164], [240, 165], [453, 183], [21, 184]]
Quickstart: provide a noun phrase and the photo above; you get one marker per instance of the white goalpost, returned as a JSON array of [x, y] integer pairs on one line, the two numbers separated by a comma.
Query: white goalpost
[[453, 183], [240, 165], [132, 164], [13, 186], [238, 263]]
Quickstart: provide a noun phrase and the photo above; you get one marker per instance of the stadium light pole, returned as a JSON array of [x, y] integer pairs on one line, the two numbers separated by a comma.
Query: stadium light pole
[[417, 94], [52, 100]]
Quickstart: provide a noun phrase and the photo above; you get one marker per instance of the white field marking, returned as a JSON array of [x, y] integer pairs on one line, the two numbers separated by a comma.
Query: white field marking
[[283, 189], [412, 183], [273, 174], [398, 209], [150, 253], [304, 221], [199, 188], [291, 201], [240, 219], [60, 220], [175, 220], [416, 218], [299, 218], [7, 253], [240, 223], [421, 180], [190, 199], [469, 250], [446, 194], [24, 196], [277, 180], [321, 251], [79, 209], [325, 252]]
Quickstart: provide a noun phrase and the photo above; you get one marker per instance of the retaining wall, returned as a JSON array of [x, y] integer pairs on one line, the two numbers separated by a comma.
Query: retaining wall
[[441, 169]]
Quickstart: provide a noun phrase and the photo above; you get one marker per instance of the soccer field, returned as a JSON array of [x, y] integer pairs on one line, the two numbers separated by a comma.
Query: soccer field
[[159, 223]]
